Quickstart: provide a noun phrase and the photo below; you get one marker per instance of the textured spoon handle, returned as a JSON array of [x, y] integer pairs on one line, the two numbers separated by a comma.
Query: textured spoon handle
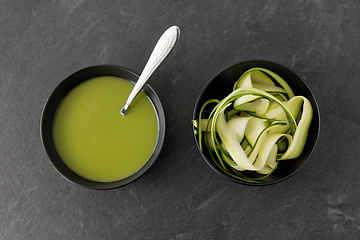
[[162, 48]]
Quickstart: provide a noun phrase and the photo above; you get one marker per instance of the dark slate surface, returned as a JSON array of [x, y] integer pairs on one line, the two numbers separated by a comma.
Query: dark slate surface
[[180, 197]]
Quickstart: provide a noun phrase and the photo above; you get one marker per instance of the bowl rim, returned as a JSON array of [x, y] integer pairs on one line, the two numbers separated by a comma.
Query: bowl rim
[[196, 108], [52, 103]]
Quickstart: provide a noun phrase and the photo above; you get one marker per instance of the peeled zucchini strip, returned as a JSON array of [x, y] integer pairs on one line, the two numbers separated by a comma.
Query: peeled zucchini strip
[[281, 97], [271, 162], [259, 106], [259, 77], [245, 99], [238, 125], [265, 170], [208, 123], [259, 143], [272, 158], [227, 158], [266, 148], [232, 143], [273, 113], [253, 130], [244, 81], [255, 76], [277, 78], [202, 124], [300, 136], [268, 88]]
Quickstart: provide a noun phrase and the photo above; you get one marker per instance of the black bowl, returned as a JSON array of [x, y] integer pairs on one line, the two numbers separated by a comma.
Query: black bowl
[[54, 101], [221, 86]]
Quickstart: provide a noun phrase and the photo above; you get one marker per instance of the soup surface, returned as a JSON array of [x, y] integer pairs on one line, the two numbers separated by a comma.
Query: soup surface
[[94, 140]]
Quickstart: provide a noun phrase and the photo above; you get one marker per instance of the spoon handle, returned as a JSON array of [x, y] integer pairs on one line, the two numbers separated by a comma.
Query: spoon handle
[[162, 48]]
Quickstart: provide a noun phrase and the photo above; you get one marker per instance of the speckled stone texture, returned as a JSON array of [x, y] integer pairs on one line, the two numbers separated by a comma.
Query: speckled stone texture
[[180, 197]]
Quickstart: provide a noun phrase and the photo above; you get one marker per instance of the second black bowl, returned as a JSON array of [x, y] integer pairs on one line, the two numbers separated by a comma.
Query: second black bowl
[[222, 85]]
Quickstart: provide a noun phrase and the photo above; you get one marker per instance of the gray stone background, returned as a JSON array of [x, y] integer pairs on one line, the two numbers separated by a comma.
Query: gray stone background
[[180, 197]]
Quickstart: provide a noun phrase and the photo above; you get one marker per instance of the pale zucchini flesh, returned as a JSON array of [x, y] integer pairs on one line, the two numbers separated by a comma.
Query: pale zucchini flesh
[[258, 124]]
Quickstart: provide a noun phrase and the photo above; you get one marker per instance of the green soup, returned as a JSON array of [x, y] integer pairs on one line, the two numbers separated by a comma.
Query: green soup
[[94, 140]]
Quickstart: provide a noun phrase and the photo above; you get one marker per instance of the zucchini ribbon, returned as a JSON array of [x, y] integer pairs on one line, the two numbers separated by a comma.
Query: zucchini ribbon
[[260, 123]]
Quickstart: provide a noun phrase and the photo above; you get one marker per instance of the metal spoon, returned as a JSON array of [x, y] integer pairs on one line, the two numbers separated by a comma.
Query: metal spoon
[[162, 48]]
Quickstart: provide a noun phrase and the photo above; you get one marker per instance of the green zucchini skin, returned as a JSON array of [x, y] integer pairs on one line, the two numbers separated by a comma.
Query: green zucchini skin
[[259, 123]]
